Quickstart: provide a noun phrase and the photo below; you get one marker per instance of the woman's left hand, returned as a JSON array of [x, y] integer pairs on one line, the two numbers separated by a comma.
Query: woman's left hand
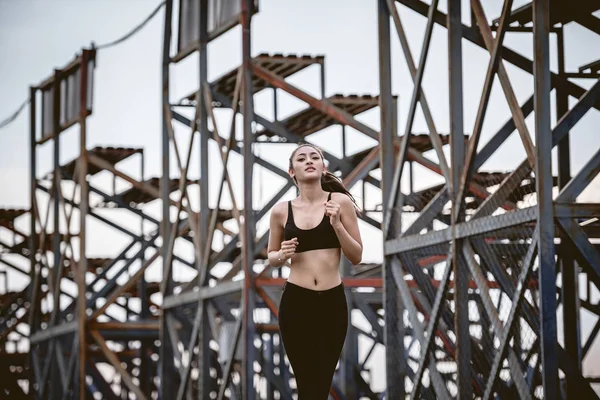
[[332, 209]]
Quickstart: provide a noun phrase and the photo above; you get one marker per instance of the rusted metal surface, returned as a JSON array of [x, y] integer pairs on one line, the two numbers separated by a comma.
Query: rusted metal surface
[[136, 196], [311, 120], [116, 363], [435, 137], [283, 65], [8, 216], [112, 155], [485, 96], [248, 229], [484, 250], [509, 55], [496, 241], [323, 105], [505, 81], [464, 352], [82, 266], [561, 12], [64, 103], [545, 220]]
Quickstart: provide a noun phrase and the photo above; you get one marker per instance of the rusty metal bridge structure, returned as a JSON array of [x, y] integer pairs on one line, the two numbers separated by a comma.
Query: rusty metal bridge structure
[[474, 274]]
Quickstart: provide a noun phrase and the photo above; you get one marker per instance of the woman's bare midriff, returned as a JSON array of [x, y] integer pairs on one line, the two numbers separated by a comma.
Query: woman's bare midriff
[[316, 269]]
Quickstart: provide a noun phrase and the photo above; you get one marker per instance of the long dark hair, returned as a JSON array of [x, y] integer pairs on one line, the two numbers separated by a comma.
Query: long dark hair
[[329, 182]]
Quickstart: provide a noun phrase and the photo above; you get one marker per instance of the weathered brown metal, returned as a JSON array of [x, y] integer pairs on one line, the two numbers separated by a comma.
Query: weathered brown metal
[[422, 252], [247, 232], [486, 33], [116, 363], [127, 286], [435, 136], [322, 105], [507, 190], [485, 96]]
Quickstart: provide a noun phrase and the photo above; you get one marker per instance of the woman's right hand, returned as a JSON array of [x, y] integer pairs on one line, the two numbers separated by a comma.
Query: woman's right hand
[[288, 248]]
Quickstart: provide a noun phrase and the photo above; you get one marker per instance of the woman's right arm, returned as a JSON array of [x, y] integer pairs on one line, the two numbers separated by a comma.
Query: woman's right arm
[[276, 236]]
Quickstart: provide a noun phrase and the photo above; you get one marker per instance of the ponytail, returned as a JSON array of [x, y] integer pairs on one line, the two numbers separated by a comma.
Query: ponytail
[[331, 183]]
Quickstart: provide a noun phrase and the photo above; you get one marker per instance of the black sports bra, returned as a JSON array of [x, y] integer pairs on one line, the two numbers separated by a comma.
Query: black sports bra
[[321, 236]]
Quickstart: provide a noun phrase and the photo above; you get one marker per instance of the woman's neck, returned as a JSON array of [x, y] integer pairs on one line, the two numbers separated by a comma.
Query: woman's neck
[[311, 192]]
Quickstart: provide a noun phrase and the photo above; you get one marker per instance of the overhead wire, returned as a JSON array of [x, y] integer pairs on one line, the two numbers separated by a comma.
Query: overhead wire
[[14, 115], [7, 121], [134, 30]]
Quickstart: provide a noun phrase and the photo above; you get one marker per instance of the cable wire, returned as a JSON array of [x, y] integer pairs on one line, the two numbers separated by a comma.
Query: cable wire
[[134, 30], [14, 115]]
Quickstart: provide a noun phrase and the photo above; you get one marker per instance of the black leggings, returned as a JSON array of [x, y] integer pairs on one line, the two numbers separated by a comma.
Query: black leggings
[[313, 328]]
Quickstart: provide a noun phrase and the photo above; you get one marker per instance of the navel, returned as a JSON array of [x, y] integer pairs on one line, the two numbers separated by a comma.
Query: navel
[[316, 282]]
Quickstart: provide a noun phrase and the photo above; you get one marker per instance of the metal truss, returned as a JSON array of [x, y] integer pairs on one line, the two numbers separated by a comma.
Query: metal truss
[[467, 341], [80, 315], [238, 310], [465, 301]]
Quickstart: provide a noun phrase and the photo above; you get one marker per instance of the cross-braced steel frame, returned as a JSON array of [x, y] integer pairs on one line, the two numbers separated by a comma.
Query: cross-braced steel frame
[[80, 315], [74, 303], [464, 347], [238, 310], [234, 312], [465, 301]]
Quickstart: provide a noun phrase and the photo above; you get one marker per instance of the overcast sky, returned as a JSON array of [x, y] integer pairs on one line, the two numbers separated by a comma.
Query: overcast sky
[[37, 36]]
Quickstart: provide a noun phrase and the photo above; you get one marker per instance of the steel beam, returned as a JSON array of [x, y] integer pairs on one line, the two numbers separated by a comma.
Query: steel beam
[[166, 367], [203, 293], [53, 332], [205, 229], [247, 383], [544, 184], [508, 54], [457, 149], [464, 229], [393, 330], [83, 214], [569, 271]]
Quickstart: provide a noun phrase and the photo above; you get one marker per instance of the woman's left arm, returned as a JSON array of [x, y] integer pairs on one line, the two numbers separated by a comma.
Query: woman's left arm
[[345, 223]]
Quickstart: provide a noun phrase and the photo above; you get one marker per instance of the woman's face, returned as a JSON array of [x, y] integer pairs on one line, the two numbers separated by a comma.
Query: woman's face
[[307, 164]]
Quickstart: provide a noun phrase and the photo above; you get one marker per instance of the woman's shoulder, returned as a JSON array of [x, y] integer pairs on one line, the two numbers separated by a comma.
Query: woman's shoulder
[[340, 198], [280, 209]]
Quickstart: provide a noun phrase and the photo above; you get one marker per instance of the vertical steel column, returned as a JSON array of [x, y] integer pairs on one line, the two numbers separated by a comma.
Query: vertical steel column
[[569, 271], [145, 344], [248, 391], [203, 123], [270, 364], [56, 251], [166, 367], [275, 112], [322, 76], [33, 242], [344, 142], [204, 359], [83, 212], [543, 168], [411, 177], [457, 150], [394, 343]]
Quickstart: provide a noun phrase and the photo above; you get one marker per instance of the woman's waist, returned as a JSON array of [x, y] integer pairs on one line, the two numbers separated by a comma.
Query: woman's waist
[[315, 278], [326, 290]]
